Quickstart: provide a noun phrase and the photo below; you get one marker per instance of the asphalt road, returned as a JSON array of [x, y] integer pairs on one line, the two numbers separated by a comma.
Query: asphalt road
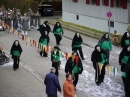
[[27, 81]]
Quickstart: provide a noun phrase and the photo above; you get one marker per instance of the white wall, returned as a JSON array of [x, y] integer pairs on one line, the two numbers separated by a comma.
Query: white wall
[[95, 23], [81, 8]]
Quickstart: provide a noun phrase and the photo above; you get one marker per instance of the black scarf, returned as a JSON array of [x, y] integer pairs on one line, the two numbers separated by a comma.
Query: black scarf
[[76, 39], [14, 47], [103, 38], [124, 37], [96, 56]]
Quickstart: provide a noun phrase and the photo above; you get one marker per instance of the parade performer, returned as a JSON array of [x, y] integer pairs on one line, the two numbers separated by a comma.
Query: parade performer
[[76, 44], [55, 58], [99, 58], [106, 44], [58, 32], [16, 51], [74, 66], [44, 41], [48, 28], [124, 57], [126, 80], [125, 39]]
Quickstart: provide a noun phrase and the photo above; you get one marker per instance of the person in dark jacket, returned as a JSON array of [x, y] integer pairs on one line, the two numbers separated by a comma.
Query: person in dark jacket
[[58, 32], [16, 51], [99, 57], [55, 58], [52, 84], [106, 44], [76, 44], [44, 41], [126, 80], [125, 39], [124, 57], [74, 66], [48, 28]]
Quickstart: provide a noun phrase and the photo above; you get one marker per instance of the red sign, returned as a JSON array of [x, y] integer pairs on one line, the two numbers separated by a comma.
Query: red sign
[[109, 14]]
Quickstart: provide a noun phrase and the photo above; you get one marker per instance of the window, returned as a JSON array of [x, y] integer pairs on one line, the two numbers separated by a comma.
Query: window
[[118, 3], [77, 17], [121, 3], [87, 1], [106, 3], [96, 2], [75, 1], [111, 24], [93, 1]]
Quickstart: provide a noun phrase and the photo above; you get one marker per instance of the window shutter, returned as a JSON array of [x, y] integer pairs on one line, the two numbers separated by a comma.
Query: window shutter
[[87, 1], [98, 2], [106, 2], [75, 0], [112, 3], [124, 4]]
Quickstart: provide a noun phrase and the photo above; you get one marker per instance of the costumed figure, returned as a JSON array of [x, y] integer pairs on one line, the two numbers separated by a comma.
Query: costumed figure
[[74, 66], [124, 57], [25, 24], [16, 51], [125, 39], [126, 80], [42, 28], [55, 58], [76, 44], [106, 44], [99, 59], [58, 32], [44, 41], [48, 28]]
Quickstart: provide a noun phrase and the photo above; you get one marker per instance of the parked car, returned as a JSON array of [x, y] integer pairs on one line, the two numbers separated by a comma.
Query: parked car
[[46, 10]]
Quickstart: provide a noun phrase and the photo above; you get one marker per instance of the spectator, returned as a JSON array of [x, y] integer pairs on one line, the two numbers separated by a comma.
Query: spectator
[[52, 84], [68, 87]]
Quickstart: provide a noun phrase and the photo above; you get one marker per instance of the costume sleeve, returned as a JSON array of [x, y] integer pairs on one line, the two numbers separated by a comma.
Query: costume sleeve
[[62, 30], [54, 29], [66, 66], [80, 66], [66, 90], [120, 57]]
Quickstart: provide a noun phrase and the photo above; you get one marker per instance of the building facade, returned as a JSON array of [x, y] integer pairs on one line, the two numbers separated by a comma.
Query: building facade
[[92, 14]]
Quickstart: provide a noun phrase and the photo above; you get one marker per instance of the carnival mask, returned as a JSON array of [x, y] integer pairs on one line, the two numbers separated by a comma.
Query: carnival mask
[[98, 49]]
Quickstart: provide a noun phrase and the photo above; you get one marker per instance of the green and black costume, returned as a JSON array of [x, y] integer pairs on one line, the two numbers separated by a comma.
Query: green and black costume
[[76, 45], [125, 40], [106, 45], [99, 57], [16, 52], [73, 68], [126, 80], [55, 58], [44, 41], [58, 32], [124, 57]]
